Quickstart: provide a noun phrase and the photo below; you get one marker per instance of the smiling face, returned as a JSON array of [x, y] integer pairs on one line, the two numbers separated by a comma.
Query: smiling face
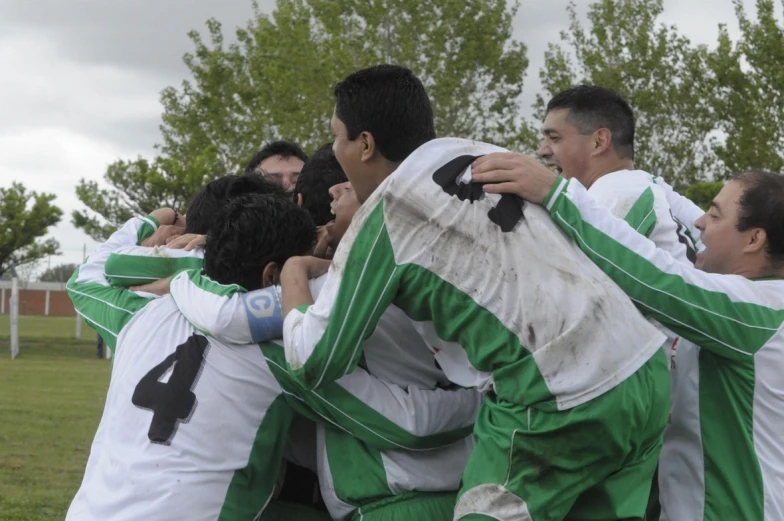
[[563, 147], [725, 246], [344, 205], [355, 159]]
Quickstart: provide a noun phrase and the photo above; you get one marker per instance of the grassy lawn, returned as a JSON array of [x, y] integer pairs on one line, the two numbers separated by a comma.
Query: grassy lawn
[[35, 328], [51, 398]]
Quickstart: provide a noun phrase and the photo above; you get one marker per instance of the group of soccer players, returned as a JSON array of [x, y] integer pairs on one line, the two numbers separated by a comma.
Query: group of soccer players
[[471, 336]]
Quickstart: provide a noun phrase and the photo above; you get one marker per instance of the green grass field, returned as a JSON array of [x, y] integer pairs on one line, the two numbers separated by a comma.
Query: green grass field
[[51, 398], [40, 328]]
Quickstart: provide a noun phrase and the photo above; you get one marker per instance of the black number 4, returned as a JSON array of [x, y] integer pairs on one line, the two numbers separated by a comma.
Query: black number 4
[[507, 214], [172, 402]]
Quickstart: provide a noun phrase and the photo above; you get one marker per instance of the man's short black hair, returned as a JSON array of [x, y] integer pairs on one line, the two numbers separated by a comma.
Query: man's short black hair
[[321, 172], [207, 204], [284, 149], [762, 206], [252, 231], [390, 103], [592, 107]]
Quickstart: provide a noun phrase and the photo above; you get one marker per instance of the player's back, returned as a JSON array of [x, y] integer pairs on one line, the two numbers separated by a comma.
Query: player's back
[[503, 289], [192, 428]]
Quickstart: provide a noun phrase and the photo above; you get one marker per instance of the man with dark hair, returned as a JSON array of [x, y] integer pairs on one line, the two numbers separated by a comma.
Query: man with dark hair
[[587, 121], [589, 136], [194, 426], [382, 109], [575, 378], [279, 161], [212, 200], [139, 265], [724, 440], [311, 192]]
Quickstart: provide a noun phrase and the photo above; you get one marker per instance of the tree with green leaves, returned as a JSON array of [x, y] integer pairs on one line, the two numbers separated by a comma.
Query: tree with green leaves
[[60, 273], [659, 72], [276, 82], [25, 216], [749, 96], [703, 192]]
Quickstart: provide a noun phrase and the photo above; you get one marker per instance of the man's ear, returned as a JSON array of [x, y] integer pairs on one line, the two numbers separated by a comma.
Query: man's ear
[[368, 143], [300, 200], [270, 276], [602, 141], [756, 241]]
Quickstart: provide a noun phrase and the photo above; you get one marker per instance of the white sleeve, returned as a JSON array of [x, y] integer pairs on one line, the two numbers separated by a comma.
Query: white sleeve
[[227, 313], [683, 209]]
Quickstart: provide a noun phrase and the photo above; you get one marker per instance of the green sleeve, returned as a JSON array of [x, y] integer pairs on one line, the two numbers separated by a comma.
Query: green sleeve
[[139, 265], [383, 416], [728, 314], [149, 225], [641, 215], [324, 341], [107, 309]]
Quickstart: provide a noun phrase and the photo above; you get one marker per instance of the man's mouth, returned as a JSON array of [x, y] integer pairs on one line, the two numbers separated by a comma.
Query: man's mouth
[[555, 168]]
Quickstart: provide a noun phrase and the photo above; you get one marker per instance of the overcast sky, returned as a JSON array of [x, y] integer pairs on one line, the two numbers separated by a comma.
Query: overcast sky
[[81, 79]]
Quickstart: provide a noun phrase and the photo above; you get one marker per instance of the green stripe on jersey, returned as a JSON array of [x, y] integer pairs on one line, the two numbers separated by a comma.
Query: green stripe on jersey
[[205, 283], [251, 488], [358, 474], [136, 270], [490, 346], [107, 309], [371, 254], [733, 478], [641, 215], [148, 228]]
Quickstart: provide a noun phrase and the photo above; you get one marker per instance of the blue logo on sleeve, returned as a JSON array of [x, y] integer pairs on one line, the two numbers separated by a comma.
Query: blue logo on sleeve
[[265, 316]]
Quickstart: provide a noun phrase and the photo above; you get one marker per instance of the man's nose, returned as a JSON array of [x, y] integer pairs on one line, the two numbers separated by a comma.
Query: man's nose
[[334, 191], [700, 223], [544, 151]]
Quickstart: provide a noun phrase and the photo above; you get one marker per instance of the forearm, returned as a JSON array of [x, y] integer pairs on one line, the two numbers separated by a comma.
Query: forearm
[[295, 290], [722, 313], [382, 415], [224, 311]]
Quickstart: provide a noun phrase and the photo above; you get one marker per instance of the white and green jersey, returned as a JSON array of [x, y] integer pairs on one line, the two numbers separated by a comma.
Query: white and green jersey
[[634, 196], [139, 265], [683, 209], [194, 428], [727, 459], [136, 265], [502, 297], [396, 354]]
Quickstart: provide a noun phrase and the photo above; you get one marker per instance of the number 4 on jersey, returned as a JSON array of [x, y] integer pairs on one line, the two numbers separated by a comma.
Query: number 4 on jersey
[[172, 402]]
